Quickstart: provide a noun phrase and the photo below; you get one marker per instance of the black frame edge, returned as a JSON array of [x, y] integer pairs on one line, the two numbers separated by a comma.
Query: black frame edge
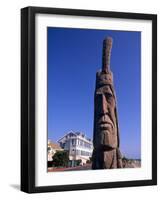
[[27, 101], [95, 13], [93, 186], [154, 99], [24, 100]]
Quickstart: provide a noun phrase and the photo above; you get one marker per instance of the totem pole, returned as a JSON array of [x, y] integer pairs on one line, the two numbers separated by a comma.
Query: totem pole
[[106, 153]]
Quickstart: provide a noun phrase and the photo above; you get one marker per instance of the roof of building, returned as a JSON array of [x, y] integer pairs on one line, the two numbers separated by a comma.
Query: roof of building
[[72, 133], [54, 145]]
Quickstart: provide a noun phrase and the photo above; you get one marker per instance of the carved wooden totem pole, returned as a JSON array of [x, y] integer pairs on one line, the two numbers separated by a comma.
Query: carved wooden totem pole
[[106, 153]]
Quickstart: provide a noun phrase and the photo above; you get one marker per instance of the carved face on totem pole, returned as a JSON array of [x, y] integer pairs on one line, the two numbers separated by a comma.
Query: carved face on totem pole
[[106, 124]]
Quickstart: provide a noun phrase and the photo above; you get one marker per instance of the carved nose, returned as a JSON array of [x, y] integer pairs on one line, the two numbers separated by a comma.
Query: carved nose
[[104, 109]]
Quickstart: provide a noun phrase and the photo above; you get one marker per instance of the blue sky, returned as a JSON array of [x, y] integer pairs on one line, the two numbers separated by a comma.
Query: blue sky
[[74, 57]]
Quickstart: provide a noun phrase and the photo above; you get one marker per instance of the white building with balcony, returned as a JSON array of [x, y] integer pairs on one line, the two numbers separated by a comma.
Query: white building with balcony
[[78, 145]]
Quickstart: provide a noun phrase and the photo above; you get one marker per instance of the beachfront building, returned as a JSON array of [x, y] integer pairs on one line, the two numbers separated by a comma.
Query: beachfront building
[[79, 147], [52, 149]]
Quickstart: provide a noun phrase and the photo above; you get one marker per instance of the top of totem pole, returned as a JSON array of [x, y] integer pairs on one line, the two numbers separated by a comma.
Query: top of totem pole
[[107, 46], [105, 77]]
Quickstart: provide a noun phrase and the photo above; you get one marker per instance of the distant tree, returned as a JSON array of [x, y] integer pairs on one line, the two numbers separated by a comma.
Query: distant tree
[[89, 161], [61, 159], [78, 162], [124, 158], [50, 163]]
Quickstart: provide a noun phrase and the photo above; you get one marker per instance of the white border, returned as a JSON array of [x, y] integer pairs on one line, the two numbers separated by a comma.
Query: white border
[[92, 176]]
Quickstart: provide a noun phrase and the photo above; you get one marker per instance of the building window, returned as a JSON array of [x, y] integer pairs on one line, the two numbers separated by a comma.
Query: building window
[[73, 142], [49, 149], [85, 153], [72, 151], [77, 152]]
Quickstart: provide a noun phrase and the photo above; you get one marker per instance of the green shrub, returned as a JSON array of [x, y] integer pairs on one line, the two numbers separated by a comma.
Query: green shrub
[[61, 159]]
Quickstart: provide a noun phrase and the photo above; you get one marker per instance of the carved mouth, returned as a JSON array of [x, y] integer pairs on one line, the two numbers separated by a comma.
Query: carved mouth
[[105, 125]]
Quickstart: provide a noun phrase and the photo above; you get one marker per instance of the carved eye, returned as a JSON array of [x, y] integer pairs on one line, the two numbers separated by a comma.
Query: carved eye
[[109, 98], [108, 95]]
